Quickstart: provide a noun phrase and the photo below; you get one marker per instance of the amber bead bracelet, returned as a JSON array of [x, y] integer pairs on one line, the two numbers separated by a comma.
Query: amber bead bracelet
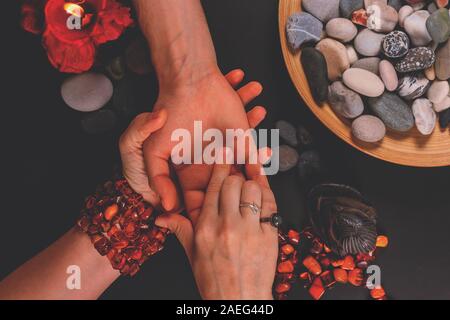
[[121, 226]]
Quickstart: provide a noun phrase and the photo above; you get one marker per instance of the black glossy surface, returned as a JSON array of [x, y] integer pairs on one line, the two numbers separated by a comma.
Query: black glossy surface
[[51, 164]]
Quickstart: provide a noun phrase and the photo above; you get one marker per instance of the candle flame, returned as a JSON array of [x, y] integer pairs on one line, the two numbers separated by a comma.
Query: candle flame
[[74, 9]]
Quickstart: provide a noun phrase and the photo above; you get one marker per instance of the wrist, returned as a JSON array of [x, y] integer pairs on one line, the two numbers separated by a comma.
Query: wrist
[[181, 75]]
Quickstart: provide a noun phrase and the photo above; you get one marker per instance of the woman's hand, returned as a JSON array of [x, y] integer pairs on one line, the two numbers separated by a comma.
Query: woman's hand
[[233, 255], [132, 141]]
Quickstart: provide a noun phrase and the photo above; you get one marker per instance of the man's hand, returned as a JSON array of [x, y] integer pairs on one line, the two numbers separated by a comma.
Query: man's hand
[[213, 101], [132, 141]]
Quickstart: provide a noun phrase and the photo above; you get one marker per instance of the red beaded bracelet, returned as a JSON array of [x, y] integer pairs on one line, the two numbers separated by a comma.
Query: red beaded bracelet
[[121, 226]]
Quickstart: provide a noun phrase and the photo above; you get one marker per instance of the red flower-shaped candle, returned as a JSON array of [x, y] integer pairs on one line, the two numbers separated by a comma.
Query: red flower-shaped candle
[[71, 46]]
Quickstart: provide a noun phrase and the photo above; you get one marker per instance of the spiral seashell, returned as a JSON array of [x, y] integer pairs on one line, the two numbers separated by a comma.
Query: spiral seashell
[[343, 219]]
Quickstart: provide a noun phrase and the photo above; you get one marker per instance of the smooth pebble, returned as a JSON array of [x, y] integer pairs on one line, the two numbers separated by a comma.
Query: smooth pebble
[[344, 101], [424, 115], [368, 128], [388, 75], [363, 82]]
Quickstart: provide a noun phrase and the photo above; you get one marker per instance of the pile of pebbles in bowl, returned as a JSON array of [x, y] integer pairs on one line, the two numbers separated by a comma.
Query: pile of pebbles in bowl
[[379, 63]]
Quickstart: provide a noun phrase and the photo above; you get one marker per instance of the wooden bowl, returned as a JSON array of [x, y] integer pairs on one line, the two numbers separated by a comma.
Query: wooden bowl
[[410, 149]]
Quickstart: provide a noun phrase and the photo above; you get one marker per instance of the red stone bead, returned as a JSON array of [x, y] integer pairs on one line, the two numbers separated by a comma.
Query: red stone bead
[[97, 219], [287, 249], [120, 244], [282, 287], [111, 211], [317, 290], [355, 277], [377, 293], [325, 262], [340, 275], [349, 263], [285, 267], [103, 246], [294, 237], [131, 230], [93, 229], [312, 265], [327, 278]]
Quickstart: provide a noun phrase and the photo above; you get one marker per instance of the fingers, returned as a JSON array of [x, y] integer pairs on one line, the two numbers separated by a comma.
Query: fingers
[[235, 77], [140, 129], [256, 116], [250, 91], [160, 181], [181, 227], [220, 173], [230, 198], [251, 194]]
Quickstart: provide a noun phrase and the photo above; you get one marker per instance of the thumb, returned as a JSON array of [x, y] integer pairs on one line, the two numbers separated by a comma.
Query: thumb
[[181, 227]]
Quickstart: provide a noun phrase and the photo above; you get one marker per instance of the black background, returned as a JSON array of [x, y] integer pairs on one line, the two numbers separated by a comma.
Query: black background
[[51, 165]]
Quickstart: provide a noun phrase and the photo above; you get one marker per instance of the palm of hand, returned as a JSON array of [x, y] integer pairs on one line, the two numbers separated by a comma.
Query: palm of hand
[[217, 105]]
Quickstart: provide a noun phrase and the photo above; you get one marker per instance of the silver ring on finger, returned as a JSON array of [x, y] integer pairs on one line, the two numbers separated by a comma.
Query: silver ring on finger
[[252, 206]]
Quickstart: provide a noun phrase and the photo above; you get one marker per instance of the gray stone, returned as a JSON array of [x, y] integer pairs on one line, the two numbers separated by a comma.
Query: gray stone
[[87, 92], [99, 122], [417, 59], [309, 165], [415, 27], [347, 7], [396, 4], [368, 43], [287, 132], [444, 118], [442, 65], [344, 101], [438, 25], [393, 111], [305, 138], [324, 10], [413, 86], [396, 44], [301, 28], [288, 158], [316, 71], [371, 64], [138, 57], [368, 128]]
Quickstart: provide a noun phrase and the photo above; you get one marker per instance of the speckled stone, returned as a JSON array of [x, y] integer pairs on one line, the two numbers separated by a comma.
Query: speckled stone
[[316, 71], [424, 115], [368, 128], [393, 111], [396, 44], [301, 28], [417, 59], [324, 10], [413, 86]]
